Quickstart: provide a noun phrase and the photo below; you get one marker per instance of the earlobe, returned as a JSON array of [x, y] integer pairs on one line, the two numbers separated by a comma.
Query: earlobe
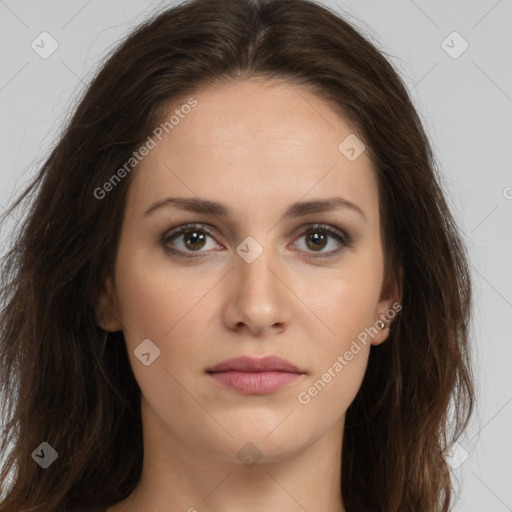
[[388, 308], [382, 327], [387, 311], [107, 312]]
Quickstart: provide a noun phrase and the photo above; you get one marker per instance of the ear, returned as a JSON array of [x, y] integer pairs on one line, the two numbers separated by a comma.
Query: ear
[[107, 310], [388, 307]]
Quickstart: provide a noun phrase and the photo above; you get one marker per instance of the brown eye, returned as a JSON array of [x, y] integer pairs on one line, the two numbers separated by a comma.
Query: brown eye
[[316, 240], [319, 236], [190, 238], [184, 241], [194, 239]]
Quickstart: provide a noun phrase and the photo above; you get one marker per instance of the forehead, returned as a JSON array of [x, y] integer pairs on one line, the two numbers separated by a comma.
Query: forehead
[[270, 143]]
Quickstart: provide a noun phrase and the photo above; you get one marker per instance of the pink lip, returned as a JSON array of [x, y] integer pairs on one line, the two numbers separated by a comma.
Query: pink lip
[[255, 376]]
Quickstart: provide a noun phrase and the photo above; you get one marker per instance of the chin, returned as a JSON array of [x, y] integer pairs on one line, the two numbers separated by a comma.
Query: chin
[[260, 440]]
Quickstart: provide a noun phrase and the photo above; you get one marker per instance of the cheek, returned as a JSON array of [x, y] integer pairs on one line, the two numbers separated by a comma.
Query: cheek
[[151, 298], [163, 306], [328, 395], [160, 309], [148, 307], [344, 305], [341, 354]]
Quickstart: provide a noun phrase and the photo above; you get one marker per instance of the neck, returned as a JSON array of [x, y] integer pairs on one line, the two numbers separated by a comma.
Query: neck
[[179, 477]]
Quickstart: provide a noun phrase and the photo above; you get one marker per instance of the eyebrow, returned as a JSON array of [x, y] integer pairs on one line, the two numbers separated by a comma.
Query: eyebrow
[[298, 209]]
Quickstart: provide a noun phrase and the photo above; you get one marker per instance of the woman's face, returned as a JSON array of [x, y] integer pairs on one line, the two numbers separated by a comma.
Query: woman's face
[[253, 282]]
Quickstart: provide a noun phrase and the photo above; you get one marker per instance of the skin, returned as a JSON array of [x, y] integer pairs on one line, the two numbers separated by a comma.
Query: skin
[[257, 148]]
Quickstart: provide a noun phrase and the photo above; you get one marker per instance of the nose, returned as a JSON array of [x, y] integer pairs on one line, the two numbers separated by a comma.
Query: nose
[[258, 298]]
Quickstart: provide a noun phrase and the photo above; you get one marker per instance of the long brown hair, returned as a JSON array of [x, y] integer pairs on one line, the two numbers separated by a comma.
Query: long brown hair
[[67, 382]]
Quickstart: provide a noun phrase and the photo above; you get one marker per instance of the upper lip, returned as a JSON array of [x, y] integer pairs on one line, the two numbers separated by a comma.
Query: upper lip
[[252, 364]]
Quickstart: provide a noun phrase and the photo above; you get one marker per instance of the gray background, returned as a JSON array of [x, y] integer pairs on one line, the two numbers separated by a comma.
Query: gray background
[[466, 106]]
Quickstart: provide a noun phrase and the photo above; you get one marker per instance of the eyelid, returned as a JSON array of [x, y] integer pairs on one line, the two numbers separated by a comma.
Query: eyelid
[[183, 228]]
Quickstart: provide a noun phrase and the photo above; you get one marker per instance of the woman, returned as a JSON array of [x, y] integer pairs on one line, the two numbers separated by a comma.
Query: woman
[[239, 285]]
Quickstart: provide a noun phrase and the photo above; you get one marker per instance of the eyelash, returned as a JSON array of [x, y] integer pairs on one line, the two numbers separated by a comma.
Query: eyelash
[[174, 233]]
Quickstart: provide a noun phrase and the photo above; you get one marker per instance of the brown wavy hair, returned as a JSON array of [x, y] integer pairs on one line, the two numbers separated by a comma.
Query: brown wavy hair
[[66, 381]]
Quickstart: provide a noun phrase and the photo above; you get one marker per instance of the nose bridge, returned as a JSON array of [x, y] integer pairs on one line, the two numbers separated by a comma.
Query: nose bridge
[[255, 262], [258, 296], [257, 301]]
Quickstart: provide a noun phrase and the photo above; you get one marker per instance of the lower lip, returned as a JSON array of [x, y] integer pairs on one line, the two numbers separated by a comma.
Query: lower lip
[[255, 383]]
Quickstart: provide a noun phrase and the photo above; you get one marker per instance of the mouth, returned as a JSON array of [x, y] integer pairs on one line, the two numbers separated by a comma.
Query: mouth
[[255, 376]]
